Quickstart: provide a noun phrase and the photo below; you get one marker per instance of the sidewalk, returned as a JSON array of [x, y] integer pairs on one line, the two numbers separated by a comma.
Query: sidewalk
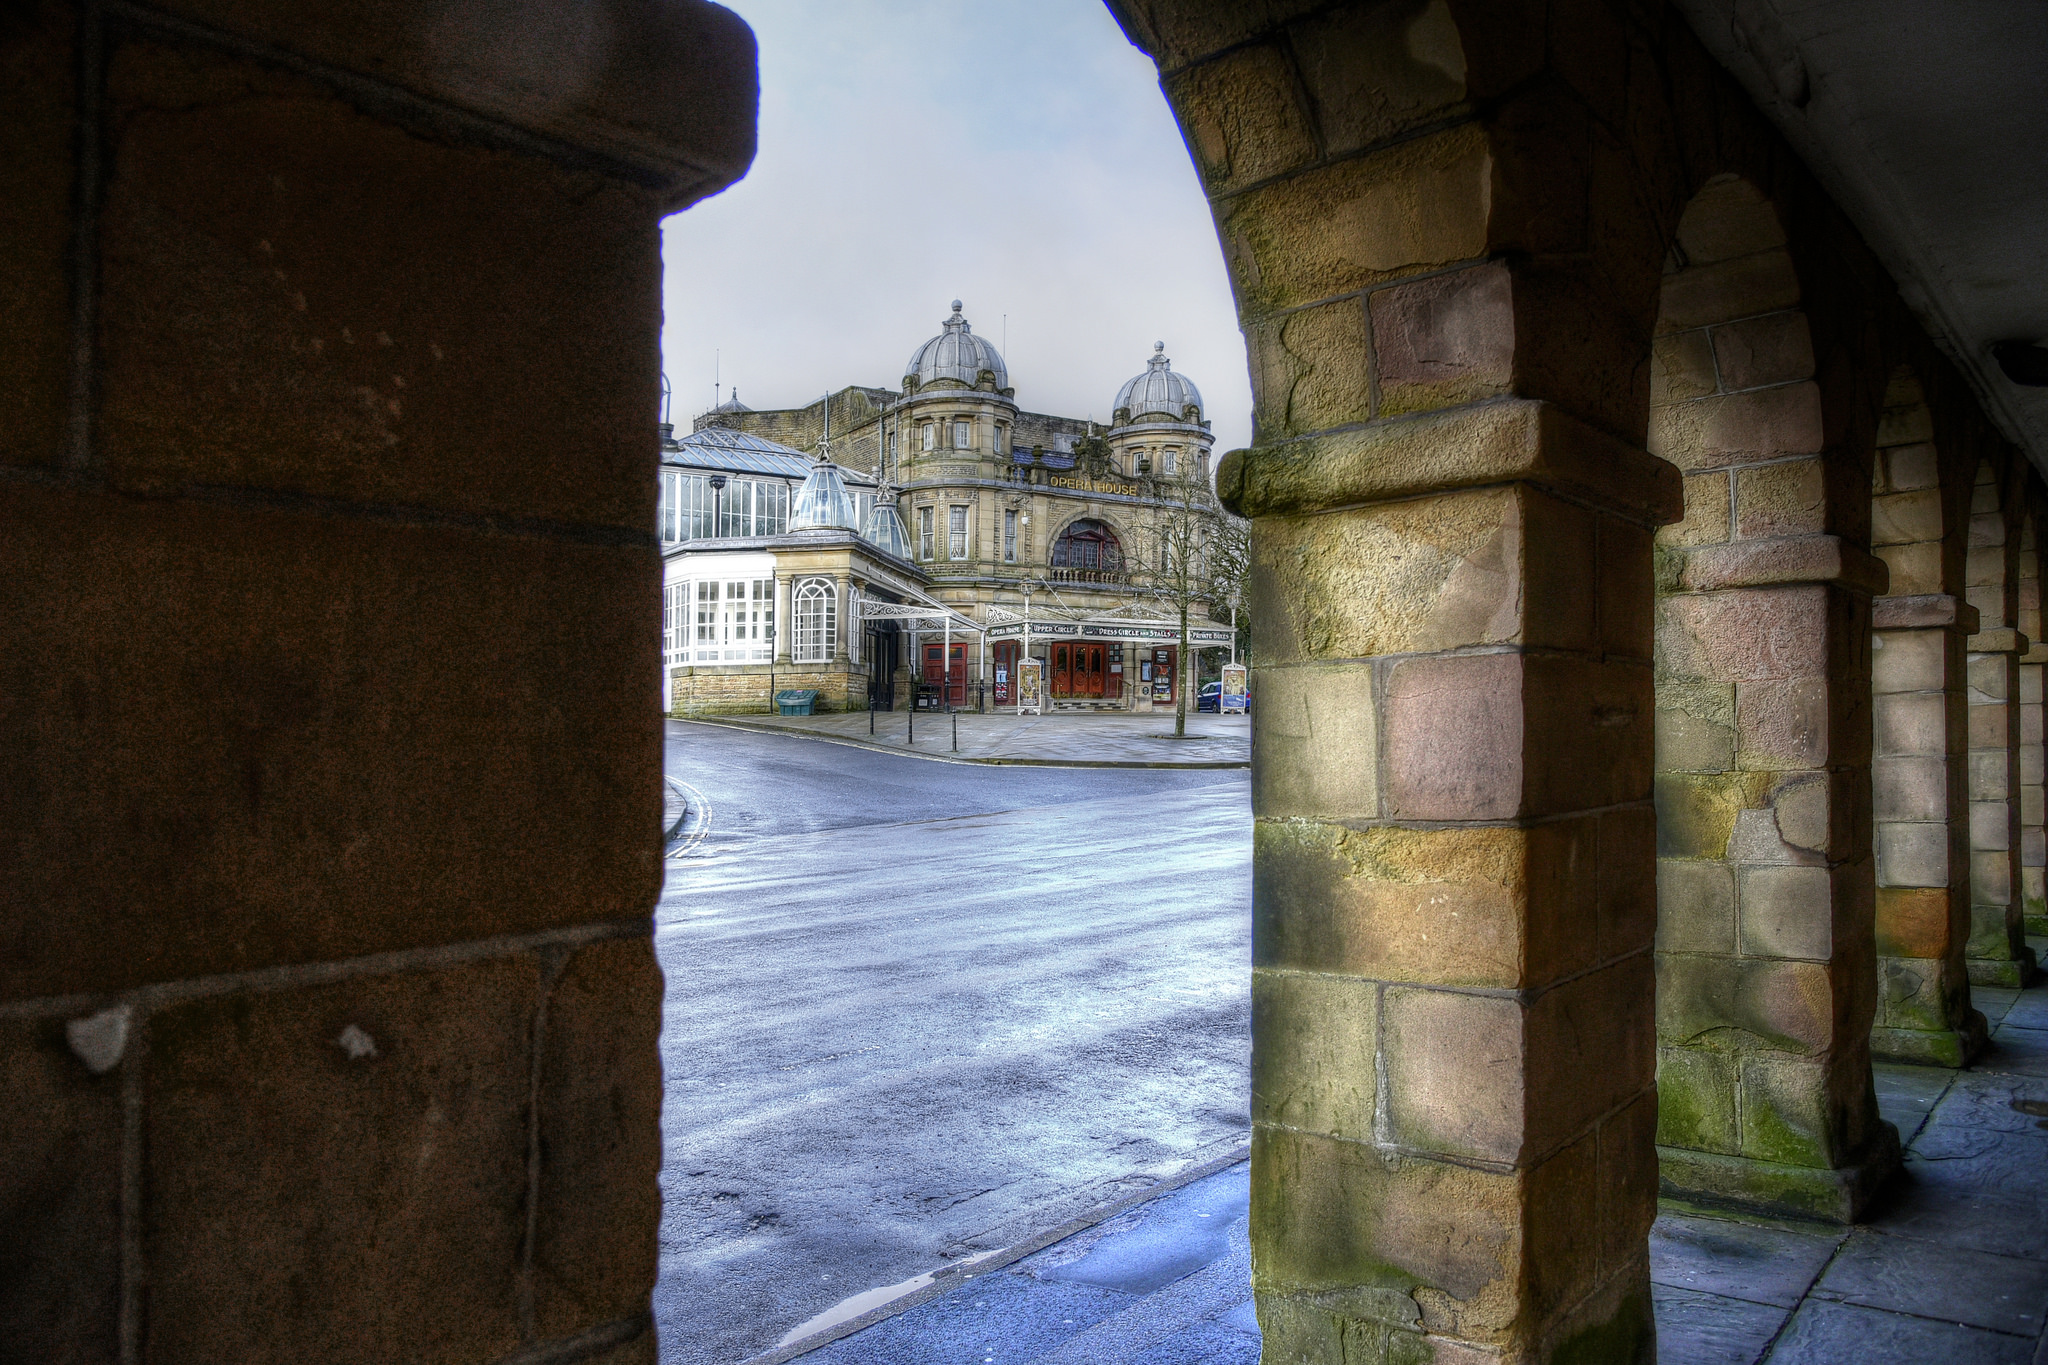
[[1080, 740], [1952, 1265]]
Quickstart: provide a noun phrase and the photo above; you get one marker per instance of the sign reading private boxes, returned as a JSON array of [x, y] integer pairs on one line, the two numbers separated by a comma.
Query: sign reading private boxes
[[1236, 689], [1030, 687]]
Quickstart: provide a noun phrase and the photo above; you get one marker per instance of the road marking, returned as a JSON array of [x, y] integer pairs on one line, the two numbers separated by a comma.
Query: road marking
[[698, 803]]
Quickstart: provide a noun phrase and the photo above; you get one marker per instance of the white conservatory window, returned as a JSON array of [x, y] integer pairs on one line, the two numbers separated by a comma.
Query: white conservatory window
[[956, 533], [671, 486], [675, 607], [816, 618], [924, 533], [707, 620]]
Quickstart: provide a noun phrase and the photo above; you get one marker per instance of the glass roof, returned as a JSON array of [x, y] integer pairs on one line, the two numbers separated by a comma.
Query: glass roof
[[740, 452]]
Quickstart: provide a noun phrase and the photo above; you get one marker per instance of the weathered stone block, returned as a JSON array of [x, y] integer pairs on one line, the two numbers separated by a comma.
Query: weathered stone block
[[1444, 340], [1774, 349], [1312, 368], [1899, 518], [1695, 907], [1914, 921], [1785, 1114], [279, 775], [1909, 660], [1627, 609], [1783, 723], [1379, 70], [1720, 290], [1314, 1052], [1316, 750], [1910, 788], [1783, 499], [294, 1179], [1988, 774], [1696, 1100], [1991, 883], [1990, 678], [1913, 569], [1360, 222], [297, 296], [596, 1224], [1242, 116], [1908, 724], [1990, 825], [1740, 428], [1681, 367], [1912, 855], [1787, 912], [1729, 218], [60, 1240], [1784, 1006], [1697, 812], [1686, 743], [1745, 634], [1707, 512]]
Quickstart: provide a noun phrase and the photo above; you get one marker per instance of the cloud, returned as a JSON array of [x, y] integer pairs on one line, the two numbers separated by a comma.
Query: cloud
[[1019, 157]]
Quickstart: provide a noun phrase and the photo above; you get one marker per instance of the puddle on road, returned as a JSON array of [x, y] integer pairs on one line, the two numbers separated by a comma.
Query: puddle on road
[[846, 1310]]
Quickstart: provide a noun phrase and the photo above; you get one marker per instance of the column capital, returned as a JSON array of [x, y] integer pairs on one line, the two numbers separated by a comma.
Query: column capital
[[1505, 440], [1780, 561], [1923, 611], [2002, 641]]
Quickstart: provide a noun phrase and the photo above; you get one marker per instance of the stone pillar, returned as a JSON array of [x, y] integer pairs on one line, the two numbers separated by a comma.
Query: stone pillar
[[1452, 1091], [1998, 952], [1918, 770], [329, 756], [2033, 836]]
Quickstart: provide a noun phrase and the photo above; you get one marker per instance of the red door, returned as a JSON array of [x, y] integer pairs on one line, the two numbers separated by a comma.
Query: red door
[[1063, 670], [1088, 672], [952, 680], [1006, 671]]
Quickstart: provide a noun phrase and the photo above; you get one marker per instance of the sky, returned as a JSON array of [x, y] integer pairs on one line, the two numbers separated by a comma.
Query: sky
[[1014, 154]]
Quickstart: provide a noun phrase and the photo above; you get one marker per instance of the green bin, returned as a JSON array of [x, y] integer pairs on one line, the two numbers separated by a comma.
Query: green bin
[[795, 701]]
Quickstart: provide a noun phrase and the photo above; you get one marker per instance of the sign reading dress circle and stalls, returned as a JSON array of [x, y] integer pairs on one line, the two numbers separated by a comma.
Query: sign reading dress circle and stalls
[[1236, 697]]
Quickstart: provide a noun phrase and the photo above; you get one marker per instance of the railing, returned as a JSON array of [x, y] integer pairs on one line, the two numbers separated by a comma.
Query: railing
[[1117, 576]]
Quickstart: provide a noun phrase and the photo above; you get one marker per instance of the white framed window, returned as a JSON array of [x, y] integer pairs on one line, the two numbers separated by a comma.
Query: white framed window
[[931, 435], [924, 533], [1009, 535], [863, 505], [963, 435], [705, 627], [1002, 437], [853, 622], [675, 632], [1169, 461], [816, 609], [956, 533], [667, 519]]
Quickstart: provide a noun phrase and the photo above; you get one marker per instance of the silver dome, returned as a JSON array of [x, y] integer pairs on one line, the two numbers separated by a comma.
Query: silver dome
[[957, 353], [823, 503], [1159, 389], [885, 527]]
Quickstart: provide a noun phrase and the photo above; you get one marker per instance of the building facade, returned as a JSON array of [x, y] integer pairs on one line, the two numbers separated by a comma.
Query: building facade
[[1019, 534]]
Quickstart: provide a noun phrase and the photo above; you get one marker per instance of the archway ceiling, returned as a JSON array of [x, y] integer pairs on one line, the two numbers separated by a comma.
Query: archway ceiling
[[1927, 123]]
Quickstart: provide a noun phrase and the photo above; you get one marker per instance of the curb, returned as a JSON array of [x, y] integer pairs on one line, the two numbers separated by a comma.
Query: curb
[[762, 728], [945, 1281], [673, 832]]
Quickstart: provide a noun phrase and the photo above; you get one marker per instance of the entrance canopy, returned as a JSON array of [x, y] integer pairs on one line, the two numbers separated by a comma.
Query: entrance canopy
[[1005, 624]]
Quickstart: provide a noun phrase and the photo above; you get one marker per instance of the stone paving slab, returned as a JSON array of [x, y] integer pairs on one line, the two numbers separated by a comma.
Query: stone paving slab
[[1078, 740]]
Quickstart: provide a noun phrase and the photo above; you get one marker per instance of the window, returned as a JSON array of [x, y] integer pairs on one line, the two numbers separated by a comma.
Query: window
[[671, 490], [853, 631], [1141, 461], [1169, 461], [931, 436], [963, 435], [1009, 535], [1088, 545], [863, 504], [816, 620], [675, 608], [924, 533], [707, 621], [753, 507], [1002, 437], [956, 533]]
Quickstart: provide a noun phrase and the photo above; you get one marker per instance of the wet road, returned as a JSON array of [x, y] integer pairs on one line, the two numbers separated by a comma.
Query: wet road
[[917, 1010]]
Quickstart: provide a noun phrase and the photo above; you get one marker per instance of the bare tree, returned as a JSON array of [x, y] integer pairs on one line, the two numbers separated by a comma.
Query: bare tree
[[1204, 553]]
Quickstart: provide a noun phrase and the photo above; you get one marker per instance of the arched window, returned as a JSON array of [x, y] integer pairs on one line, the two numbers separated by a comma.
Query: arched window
[[817, 616], [1088, 544]]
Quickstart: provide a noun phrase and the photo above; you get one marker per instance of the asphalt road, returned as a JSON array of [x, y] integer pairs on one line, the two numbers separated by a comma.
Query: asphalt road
[[916, 1010]]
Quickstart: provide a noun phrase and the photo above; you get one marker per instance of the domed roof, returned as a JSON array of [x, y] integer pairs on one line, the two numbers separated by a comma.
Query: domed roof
[[957, 353], [1159, 389], [733, 404], [823, 503], [885, 527]]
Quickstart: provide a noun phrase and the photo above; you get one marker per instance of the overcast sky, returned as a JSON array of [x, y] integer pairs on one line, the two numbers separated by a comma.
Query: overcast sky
[[1014, 154]]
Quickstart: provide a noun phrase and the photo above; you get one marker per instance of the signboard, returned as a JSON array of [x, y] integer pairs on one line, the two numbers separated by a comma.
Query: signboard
[[1236, 697], [1164, 632], [1030, 687]]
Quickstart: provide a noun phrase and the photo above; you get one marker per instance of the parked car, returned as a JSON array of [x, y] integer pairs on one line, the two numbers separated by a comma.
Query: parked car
[[1210, 698]]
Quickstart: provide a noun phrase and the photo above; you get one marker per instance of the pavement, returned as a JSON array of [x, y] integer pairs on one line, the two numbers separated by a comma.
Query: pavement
[[1077, 739], [919, 1012], [1952, 1266]]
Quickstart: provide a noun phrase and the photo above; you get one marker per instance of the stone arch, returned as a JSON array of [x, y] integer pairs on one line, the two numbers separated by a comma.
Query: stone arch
[[1920, 740], [1765, 964], [1089, 536]]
